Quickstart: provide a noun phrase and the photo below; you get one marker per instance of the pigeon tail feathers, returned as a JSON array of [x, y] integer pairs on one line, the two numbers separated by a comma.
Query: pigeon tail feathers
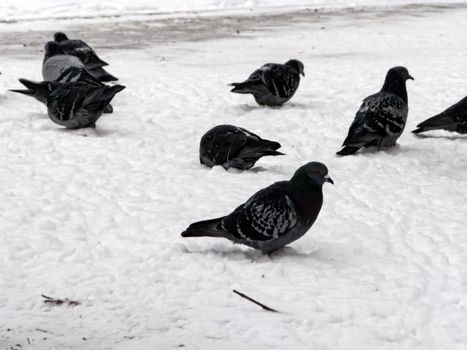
[[206, 228], [24, 92], [104, 95], [247, 87], [40, 91], [101, 74], [439, 121], [270, 144], [347, 150]]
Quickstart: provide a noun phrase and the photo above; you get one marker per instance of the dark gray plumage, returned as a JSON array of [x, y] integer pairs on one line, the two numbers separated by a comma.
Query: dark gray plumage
[[381, 118], [101, 74], [273, 84], [79, 104], [79, 49], [41, 90], [73, 74], [56, 62], [275, 216], [234, 147], [452, 119]]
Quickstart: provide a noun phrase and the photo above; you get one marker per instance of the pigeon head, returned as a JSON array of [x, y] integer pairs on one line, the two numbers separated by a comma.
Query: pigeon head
[[314, 173], [52, 48], [59, 37], [297, 65], [395, 81], [399, 73]]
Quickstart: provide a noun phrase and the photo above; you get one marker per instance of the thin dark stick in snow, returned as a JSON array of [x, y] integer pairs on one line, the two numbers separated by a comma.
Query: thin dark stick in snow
[[55, 301], [267, 308]]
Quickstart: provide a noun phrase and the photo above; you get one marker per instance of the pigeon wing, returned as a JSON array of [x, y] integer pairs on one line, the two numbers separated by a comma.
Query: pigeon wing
[[280, 81], [227, 145], [63, 101], [268, 215], [82, 50], [379, 116]]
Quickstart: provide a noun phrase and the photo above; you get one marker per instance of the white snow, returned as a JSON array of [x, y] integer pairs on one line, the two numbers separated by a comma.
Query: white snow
[[96, 216], [27, 9]]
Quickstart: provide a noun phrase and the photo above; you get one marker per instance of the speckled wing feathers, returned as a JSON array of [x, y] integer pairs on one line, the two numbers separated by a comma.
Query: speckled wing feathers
[[380, 116], [268, 215], [280, 80], [226, 145]]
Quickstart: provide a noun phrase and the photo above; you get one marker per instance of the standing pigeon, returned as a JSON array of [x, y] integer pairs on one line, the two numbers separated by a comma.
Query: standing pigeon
[[79, 104], [452, 119], [56, 62], [42, 90], [273, 84], [79, 49], [234, 147], [275, 216], [381, 118]]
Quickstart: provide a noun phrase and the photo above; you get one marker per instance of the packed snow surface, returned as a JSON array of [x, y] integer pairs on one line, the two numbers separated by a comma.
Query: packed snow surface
[[95, 215], [11, 10]]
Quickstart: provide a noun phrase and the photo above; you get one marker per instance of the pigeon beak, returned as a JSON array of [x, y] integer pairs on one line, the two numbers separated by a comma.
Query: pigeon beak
[[410, 77], [328, 179], [303, 73]]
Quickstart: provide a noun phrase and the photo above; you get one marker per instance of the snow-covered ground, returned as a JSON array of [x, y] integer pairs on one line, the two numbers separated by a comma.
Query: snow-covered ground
[[13, 10], [96, 216]]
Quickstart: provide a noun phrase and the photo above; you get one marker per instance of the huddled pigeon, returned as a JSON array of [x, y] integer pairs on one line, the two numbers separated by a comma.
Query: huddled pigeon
[[41, 90], [79, 104], [234, 147], [452, 119], [381, 118], [56, 62], [79, 49], [273, 84], [275, 216]]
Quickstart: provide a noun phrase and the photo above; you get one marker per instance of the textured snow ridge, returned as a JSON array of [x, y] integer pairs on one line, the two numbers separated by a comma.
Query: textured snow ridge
[[11, 10], [95, 215]]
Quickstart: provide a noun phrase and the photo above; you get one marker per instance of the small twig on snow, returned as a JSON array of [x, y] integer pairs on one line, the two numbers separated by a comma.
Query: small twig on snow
[[55, 301], [267, 308]]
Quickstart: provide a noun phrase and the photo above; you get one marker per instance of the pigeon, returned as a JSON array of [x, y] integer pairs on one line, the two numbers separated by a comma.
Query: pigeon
[[56, 62], [72, 74], [79, 49], [273, 217], [272, 84], [234, 147], [41, 90], [381, 118], [452, 119], [79, 104]]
